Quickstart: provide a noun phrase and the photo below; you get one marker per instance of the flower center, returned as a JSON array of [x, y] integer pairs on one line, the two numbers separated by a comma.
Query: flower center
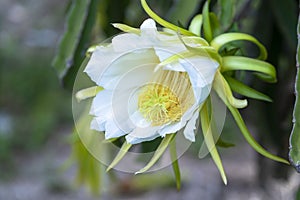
[[167, 98]]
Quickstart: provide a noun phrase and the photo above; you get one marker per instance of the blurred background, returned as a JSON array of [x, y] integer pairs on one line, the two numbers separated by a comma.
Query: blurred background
[[36, 121]]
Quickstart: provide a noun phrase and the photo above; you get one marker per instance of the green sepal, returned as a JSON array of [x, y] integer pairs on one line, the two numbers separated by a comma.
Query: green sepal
[[206, 124], [87, 93], [223, 39], [196, 25], [124, 149], [222, 88], [207, 29], [163, 22], [158, 153], [263, 70], [126, 28], [240, 122], [241, 88], [175, 165]]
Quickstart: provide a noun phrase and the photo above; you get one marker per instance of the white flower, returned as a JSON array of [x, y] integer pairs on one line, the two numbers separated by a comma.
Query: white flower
[[141, 98]]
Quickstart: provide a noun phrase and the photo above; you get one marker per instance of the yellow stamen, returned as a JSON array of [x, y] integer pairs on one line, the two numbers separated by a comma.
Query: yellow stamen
[[166, 98]]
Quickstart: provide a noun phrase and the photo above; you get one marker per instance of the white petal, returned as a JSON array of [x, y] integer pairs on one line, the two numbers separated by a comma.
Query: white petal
[[148, 28], [95, 125], [139, 135], [201, 72], [171, 128], [112, 130], [101, 105], [190, 127], [135, 67]]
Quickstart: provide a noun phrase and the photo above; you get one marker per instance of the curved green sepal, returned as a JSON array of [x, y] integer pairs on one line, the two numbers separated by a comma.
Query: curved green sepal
[[158, 153], [241, 88], [207, 29], [226, 38], [222, 88], [87, 93], [206, 124], [241, 124], [265, 71], [239, 120], [175, 165], [124, 149], [196, 25], [163, 22], [126, 28]]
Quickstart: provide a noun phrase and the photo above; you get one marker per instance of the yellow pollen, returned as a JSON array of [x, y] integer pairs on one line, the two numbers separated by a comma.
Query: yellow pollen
[[167, 98]]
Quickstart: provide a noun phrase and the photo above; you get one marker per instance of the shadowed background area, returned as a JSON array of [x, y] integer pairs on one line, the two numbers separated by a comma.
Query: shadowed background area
[[35, 104]]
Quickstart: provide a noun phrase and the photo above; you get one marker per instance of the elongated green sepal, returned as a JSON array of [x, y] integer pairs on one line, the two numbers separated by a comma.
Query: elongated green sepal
[[263, 70], [241, 88], [124, 149], [196, 25], [207, 29], [126, 28], [158, 153], [206, 124], [163, 22], [226, 38], [175, 164], [87, 93], [240, 122], [222, 88]]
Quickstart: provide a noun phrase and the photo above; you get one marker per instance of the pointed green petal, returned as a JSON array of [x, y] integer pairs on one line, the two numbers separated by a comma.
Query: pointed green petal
[[124, 149], [206, 125], [175, 164], [196, 25], [245, 90], [226, 38], [158, 153], [264, 70], [163, 22]]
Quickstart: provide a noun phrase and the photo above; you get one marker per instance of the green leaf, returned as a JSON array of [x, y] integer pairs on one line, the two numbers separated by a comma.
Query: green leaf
[[124, 149], [240, 122], [158, 153], [163, 22], [75, 23], [183, 11], [245, 90], [294, 153], [223, 39], [175, 164], [206, 124], [264, 70]]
